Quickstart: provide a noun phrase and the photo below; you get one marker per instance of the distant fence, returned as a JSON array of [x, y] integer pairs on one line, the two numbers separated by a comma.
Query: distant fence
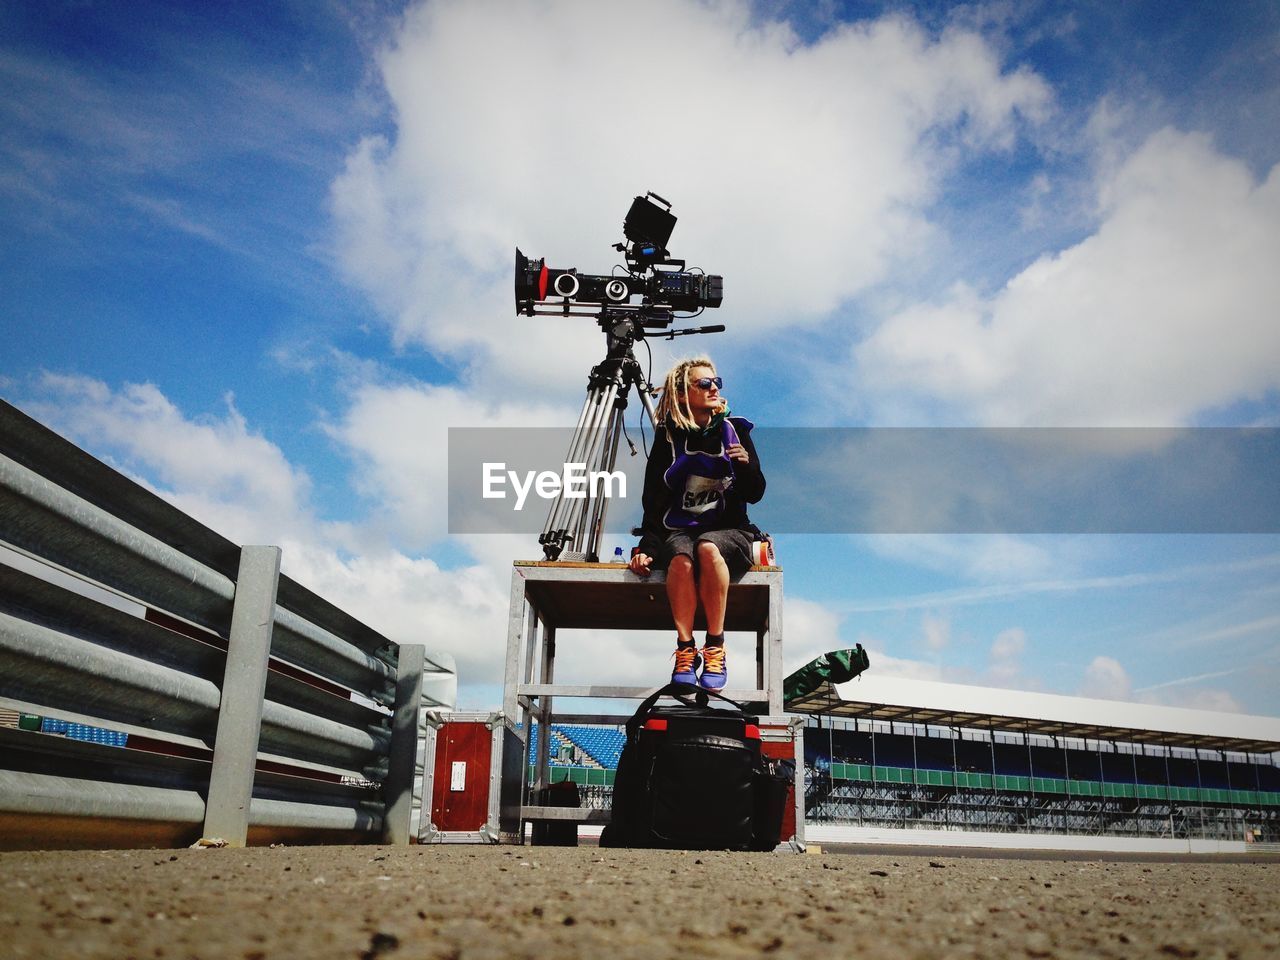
[[253, 710]]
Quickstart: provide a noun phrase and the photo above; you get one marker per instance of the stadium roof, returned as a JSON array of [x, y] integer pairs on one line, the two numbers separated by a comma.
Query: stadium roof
[[1017, 711]]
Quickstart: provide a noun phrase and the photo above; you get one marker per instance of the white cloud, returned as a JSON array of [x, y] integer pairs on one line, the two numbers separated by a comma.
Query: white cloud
[[884, 665], [410, 599], [999, 592], [1209, 699], [397, 435], [809, 630], [1268, 626], [980, 558], [1167, 310], [1009, 644], [1005, 666], [216, 468], [937, 632], [799, 172], [1107, 679]]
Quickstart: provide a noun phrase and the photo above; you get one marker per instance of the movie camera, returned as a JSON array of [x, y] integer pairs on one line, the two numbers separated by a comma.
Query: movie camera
[[661, 282]]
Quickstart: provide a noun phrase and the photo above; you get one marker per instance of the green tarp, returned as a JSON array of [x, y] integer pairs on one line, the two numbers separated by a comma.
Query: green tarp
[[834, 667]]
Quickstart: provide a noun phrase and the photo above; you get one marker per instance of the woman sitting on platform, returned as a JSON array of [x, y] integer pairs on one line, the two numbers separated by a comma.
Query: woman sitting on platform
[[702, 473]]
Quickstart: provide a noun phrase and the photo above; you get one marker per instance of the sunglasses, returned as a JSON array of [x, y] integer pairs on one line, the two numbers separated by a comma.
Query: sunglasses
[[706, 383]]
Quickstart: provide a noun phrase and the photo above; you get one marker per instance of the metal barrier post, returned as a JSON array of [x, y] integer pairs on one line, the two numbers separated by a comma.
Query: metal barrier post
[[398, 786], [235, 749]]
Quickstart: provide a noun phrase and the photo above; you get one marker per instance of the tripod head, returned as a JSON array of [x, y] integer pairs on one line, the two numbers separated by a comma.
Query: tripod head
[[622, 325]]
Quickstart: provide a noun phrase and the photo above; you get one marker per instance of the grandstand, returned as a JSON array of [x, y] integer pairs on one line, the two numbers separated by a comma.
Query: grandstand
[[889, 752], [586, 755]]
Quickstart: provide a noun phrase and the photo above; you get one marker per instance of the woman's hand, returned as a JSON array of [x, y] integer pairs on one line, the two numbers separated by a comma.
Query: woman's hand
[[737, 452], [641, 564]]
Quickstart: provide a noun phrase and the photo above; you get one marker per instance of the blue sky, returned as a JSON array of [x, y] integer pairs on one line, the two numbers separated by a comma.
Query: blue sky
[[258, 256]]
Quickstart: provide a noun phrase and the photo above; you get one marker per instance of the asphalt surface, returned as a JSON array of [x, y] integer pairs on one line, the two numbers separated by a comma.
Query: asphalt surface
[[479, 902]]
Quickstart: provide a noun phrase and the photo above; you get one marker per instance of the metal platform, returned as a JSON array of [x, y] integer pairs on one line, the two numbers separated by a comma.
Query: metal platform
[[546, 597], [550, 596]]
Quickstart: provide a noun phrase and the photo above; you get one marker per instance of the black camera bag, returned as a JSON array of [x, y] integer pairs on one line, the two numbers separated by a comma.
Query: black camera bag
[[690, 777]]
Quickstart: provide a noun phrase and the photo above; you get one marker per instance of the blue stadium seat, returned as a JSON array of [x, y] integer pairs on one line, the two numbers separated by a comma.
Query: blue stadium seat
[[84, 732], [601, 744]]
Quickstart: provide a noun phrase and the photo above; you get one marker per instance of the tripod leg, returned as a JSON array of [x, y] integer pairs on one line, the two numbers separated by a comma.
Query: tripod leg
[[580, 520], [581, 517], [552, 544], [609, 458], [565, 522]]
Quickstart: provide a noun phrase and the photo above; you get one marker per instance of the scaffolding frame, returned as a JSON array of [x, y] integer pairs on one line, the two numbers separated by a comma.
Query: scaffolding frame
[[550, 596]]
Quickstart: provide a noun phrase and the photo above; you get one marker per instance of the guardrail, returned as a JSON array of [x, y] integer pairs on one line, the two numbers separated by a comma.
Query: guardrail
[[254, 709]]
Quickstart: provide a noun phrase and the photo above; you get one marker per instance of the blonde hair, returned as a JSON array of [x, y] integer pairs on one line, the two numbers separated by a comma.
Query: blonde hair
[[673, 406]]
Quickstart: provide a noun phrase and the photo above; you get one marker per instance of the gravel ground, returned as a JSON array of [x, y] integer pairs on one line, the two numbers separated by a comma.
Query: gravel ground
[[557, 903]]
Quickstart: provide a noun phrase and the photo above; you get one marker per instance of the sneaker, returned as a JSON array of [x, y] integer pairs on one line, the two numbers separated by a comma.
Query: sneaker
[[687, 661], [714, 670]]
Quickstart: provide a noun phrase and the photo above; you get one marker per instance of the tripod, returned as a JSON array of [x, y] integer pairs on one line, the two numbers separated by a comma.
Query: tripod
[[578, 520]]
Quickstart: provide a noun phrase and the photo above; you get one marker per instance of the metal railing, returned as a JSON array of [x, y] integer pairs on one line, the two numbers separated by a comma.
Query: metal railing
[[254, 709]]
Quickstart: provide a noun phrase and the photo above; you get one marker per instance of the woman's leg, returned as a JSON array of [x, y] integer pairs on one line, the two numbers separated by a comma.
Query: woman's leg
[[713, 586], [682, 593]]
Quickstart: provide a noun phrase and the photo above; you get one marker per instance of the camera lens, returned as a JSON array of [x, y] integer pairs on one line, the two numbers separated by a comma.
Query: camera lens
[[566, 285]]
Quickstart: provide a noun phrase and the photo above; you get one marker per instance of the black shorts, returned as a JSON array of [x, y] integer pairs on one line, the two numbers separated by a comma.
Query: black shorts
[[735, 547]]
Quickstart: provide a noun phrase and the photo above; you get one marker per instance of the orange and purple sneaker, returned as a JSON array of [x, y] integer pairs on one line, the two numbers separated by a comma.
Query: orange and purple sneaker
[[687, 662], [714, 671]]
